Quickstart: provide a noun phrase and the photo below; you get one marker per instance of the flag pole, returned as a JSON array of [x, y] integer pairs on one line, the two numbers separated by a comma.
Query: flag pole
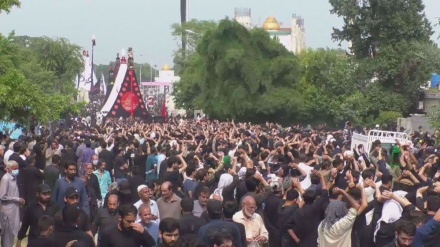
[[93, 46]]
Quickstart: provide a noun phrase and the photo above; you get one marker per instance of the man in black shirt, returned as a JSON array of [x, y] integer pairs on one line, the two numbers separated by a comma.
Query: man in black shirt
[[189, 224], [127, 233], [34, 211], [169, 232], [68, 230], [71, 198], [46, 225], [106, 217]]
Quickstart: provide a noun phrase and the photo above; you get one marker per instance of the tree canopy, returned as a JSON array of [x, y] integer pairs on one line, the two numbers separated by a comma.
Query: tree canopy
[[34, 82], [241, 74], [7, 5], [192, 32], [387, 39]]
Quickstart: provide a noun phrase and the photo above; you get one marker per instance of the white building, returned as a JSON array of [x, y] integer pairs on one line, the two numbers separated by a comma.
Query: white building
[[293, 37]]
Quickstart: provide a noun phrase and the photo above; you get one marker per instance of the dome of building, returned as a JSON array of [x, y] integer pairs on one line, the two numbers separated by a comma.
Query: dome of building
[[271, 24], [166, 67]]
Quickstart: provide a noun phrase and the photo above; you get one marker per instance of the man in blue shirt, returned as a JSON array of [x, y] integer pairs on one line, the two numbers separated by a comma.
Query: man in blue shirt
[[147, 222], [152, 164], [70, 180]]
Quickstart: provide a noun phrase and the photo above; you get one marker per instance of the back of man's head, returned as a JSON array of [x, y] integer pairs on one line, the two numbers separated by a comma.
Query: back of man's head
[[70, 215]]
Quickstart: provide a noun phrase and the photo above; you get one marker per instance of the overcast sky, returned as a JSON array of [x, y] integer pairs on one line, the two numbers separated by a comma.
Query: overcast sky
[[145, 24]]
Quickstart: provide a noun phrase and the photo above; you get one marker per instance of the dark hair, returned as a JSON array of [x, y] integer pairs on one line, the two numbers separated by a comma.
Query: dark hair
[[433, 203], [100, 161], [292, 195], [127, 209], [45, 222], [251, 185], [309, 196], [337, 162], [189, 170], [204, 190], [171, 161], [187, 204], [200, 174], [355, 174], [368, 173], [168, 225], [69, 163], [417, 217], [221, 237], [407, 227], [56, 159], [229, 209], [70, 215], [151, 184], [387, 178], [16, 147], [314, 179]]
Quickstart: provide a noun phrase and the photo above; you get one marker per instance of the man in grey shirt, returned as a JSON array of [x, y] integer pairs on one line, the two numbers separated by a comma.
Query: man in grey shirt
[[200, 204]]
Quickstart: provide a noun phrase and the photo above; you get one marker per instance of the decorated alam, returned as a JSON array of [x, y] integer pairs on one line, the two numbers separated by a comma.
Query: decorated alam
[[247, 138]]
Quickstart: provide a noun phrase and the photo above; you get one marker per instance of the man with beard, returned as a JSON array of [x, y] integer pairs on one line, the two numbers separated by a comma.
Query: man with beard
[[405, 232], [70, 180], [253, 223], [127, 233], [169, 232], [68, 231], [34, 211], [217, 225], [106, 217], [83, 222]]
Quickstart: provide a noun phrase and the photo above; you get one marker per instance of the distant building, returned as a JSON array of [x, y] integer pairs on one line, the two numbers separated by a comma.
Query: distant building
[[243, 16], [293, 37], [430, 94]]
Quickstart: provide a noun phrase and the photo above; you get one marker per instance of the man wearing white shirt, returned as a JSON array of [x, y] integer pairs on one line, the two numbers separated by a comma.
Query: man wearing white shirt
[[161, 157], [144, 192], [306, 182], [8, 152]]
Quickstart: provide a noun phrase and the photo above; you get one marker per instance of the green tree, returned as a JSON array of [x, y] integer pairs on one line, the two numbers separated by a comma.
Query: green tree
[[242, 74], [370, 24], [7, 5], [192, 31], [383, 36], [24, 85], [61, 57], [328, 84]]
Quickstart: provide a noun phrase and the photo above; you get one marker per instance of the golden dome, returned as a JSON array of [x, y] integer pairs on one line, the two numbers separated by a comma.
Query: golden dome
[[166, 67], [271, 24]]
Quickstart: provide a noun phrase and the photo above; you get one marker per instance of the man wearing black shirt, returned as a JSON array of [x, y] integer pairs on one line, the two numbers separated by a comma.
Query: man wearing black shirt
[[106, 217], [31, 177], [107, 156], [127, 233], [83, 222], [46, 225], [169, 233], [189, 224], [68, 230], [52, 172], [34, 211]]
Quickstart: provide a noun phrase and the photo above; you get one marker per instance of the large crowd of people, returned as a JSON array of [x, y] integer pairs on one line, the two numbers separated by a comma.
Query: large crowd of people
[[125, 183]]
